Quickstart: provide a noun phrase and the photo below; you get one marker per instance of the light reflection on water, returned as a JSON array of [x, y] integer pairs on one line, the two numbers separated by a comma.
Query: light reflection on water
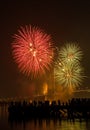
[[40, 124]]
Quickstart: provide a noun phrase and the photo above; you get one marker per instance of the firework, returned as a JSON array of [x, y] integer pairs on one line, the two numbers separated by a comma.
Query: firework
[[32, 50], [69, 75], [71, 52], [68, 71]]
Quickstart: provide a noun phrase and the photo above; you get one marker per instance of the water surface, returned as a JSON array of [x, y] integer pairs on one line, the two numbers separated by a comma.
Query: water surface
[[40, 124]]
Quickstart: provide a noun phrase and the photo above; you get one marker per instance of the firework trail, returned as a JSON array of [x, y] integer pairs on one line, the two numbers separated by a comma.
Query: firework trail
[[32, 50]]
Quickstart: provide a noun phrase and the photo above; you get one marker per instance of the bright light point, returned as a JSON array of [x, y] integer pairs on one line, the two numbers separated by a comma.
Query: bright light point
[[51, 57], [40, 60], [60, 63], [31, 49], [30, 44], [34, 53], [45, 88], [63, 70], [69, 59], [68, 75]]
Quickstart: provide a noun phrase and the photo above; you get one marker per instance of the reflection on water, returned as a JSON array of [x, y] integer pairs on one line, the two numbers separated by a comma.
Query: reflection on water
[[50, 124], [38, 124]]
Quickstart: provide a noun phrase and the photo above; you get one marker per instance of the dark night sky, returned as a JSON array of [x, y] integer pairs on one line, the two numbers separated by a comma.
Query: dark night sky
[[65, 20]]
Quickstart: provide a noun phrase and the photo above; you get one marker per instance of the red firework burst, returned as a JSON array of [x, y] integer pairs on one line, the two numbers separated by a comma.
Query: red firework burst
[[32, 50]]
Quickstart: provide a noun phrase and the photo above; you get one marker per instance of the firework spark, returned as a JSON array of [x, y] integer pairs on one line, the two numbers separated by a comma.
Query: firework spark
[[68, 71], [32, 50]]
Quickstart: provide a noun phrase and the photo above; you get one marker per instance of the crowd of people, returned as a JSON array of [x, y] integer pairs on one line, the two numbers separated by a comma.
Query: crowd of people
[[74, 108]]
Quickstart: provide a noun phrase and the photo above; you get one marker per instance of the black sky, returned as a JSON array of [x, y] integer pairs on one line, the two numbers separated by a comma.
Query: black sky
[[65, 20]]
